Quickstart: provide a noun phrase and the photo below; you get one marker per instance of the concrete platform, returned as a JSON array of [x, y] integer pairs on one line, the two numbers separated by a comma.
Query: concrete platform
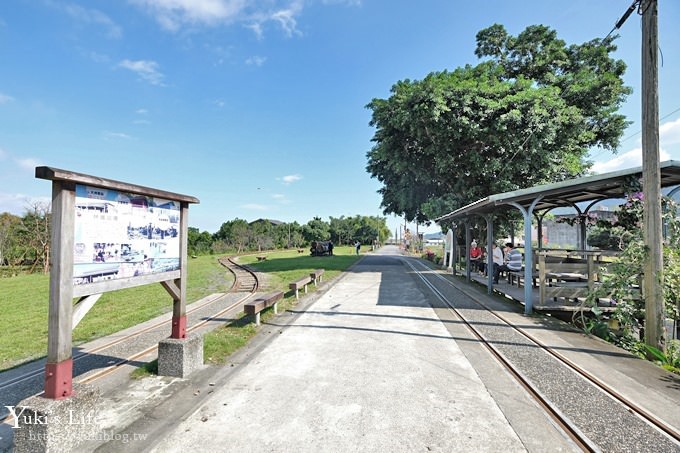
[[368, 366], [370, 363]]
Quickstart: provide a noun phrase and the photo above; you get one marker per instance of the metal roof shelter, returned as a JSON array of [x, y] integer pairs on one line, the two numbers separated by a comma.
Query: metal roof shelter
[[539, 200]]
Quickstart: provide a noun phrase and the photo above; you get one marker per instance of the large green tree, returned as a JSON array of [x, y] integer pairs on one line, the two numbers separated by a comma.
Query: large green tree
[[528, 114]]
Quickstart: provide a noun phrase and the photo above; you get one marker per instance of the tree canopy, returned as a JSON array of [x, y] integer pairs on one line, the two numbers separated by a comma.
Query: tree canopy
[[527, 114]]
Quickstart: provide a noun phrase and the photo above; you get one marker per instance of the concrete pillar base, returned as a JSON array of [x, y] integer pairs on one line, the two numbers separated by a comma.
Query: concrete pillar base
[[180, 357], [49, 425]]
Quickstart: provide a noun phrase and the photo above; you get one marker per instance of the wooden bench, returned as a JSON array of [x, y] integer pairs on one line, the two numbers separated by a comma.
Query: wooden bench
[[518, 277], [566, 280], [317, 276], [261, 258], [301, 283], [255, 306]]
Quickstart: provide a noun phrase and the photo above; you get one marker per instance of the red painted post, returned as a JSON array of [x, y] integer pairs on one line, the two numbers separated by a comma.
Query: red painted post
[[58, 379], [179, 327]]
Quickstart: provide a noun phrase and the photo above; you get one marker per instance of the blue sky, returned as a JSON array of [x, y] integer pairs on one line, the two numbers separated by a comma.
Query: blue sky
[[257, 108]]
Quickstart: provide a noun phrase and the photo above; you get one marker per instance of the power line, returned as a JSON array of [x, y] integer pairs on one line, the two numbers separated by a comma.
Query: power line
[[626, 15], [636, 133], [660, 120]]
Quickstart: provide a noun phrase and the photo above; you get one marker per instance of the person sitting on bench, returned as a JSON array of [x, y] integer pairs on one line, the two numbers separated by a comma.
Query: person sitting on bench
[[513, 262]]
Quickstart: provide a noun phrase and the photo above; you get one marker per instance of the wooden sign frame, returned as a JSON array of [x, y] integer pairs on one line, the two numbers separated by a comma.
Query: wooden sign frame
[[63, 315]]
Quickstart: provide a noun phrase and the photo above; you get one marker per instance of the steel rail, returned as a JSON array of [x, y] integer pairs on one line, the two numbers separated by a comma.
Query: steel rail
[[576, 435], [604, 387], [240, 271]]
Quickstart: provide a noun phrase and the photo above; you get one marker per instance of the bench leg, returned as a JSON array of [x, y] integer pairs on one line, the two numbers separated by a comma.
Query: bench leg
[[314, 283], [257, 319], [276, 308], [305, 289], [297, 297]]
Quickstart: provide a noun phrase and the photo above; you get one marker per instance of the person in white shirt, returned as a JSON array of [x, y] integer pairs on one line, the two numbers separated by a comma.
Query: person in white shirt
[[513, 261], [497, 255]]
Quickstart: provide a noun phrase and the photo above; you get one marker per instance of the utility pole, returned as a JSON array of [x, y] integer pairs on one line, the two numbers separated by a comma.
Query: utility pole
[[652, 285]]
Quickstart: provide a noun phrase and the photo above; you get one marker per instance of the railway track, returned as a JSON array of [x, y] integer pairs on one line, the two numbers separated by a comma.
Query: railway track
[[593, 414], [245, 280], [145, 340]]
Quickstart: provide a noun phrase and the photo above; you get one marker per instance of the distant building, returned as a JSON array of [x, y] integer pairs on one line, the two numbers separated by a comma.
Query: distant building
[[272, 222], [558, 232]]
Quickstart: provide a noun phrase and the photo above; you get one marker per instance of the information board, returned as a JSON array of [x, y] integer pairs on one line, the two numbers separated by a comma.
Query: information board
[[122, 235]]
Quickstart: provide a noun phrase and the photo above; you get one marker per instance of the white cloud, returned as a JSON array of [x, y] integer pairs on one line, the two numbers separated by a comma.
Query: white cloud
[[3, 154], [280, 198], [256, 27], [172, 14], [669, 137], [256, 60], [289, 179], [146, 69], [342, 2], [669, 133], [255, 207], [90, 17], [631, 159], [18, 203], [28, 163], [142, 114], [97, 57], [5, 99], [116, 135], [286, 18]]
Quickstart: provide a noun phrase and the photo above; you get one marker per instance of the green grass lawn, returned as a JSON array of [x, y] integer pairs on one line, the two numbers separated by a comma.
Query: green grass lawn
[[24, 304], [281, 267]]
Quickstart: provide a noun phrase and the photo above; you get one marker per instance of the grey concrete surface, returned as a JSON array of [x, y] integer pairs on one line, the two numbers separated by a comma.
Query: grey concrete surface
[[180, 357], [369, 363], [48, 425], [368, 367]]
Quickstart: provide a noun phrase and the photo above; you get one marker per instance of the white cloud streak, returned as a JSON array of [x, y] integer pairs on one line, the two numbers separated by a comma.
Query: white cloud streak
[[18, 203], [631, 159], [256, 61], [95, 17], [255, 207], [173, 15], [5, 98], [289, 179], [147, 70], [116, 135], [28, 163], [669, 135], [90, 17]]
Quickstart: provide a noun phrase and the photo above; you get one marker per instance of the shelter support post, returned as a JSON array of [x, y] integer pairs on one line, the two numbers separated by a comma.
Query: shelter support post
[[450, 236], [539, 231], [467, 249], [454, 259], [489, 253], [528, 255]]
